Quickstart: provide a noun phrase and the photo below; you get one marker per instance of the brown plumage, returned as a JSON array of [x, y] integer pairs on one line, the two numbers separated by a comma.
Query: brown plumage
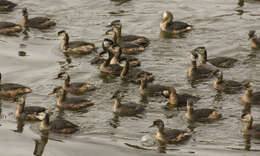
[[76, 88], [200, 115], [179, 100], [168, 136], [140, 40], [29, 113], [135, 75], [73, 103], [195, 72], [174, 27], [228, 86], [6, 5], [250, 96], [126, 109], [152, 89], [75, 47], [221, 62], [36, 22], [12, 90], [128, 48], [254, 40], [250, 128], [9, 28], [106, 67], [58, 125]]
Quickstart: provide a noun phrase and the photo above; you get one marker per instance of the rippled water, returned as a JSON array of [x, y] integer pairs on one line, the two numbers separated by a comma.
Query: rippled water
[[222, 26]]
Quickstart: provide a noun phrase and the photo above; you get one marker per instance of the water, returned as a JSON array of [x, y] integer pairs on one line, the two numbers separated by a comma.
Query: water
[[222, 26]]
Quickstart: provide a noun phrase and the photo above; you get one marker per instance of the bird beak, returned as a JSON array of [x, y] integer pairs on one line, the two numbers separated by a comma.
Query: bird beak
[[151, 126]]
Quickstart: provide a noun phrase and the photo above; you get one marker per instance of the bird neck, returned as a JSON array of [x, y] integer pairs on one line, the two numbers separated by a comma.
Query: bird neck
[[115, 59], [190, 110], [161, 129], [143, 84], [219, 80], [61, 98], [248, 125], [115, 38], [65, 42], [118, 33], [25, 22], [125, 70], [204, 58], [248, 93], [19, 110], [45, 123], [66, 83], [173, 98], [194, 64], [116, 104], [107, 61]]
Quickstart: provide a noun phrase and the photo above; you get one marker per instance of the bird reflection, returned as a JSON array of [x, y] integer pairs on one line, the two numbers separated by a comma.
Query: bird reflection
[[40, 144], [161, 148], [114, 122], [165, 35], [246, 109], [120, 2], [247, 142], [218, 97], [20, 125], [1, 109]]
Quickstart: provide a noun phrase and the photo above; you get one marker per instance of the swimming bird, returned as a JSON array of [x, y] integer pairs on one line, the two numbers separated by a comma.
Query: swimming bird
[[167, 135], [152, 89], [76, 88], [195, 72], [29, 113], [228, 86], [250, 128], [9, 28], [106, 67], [250, 96], [221, 62], [75, 47], [201, 115], [126, 109], [7, 6], [135, 75], [72, 103], [128, 48], [174, 27], [179, 100], [118, 57], [58, 125], [254, 40], [36, 22], [12, 90], [140, 40]]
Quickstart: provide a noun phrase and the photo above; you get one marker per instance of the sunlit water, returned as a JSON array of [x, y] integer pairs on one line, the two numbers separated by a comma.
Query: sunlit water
[[222, 26]]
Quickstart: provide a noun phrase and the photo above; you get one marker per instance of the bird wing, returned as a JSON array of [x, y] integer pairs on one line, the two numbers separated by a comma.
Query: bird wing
[[76, 44], [176, 25], [7, 24]]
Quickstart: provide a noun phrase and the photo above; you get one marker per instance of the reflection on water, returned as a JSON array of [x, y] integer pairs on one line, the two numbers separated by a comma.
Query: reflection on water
[[120, 2], [20, 125], [247, 142], [40, 144], [165, 35]]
